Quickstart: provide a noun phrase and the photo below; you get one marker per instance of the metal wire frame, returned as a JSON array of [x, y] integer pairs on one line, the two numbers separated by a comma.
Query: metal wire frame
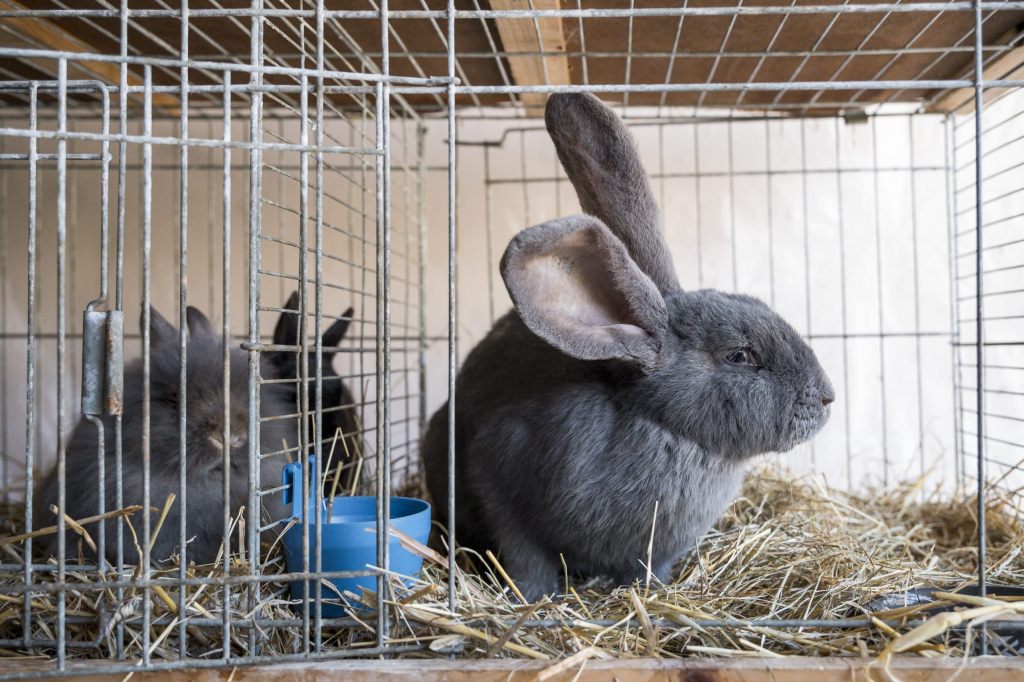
[[380, 151], [289, 23], [385, 89]]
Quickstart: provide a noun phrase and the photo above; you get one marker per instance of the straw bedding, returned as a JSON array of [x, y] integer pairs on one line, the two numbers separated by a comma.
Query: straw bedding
[[789, 548]]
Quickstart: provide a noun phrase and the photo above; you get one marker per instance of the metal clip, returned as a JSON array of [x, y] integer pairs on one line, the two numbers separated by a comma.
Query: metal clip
[[102, 362]]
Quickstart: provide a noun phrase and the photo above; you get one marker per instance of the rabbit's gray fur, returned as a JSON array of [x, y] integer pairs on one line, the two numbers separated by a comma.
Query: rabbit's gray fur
[[609, 389], [204, 459]]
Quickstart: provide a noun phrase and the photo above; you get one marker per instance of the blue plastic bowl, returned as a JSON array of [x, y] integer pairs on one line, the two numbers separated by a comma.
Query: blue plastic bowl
[[349, 539]]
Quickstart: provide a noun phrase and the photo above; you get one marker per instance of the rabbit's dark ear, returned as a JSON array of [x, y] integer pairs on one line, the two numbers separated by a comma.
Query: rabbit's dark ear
[[576, 287], [600, 158], [198, 323], [336, 332], [286, 333], [161, 332]]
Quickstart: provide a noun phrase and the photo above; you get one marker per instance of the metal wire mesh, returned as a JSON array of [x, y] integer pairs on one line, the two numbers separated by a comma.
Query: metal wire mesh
[[284, 143]]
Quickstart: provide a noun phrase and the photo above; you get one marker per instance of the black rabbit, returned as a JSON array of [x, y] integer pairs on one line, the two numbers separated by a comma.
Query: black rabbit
[[339, 408], [204, 451], [609, 389]]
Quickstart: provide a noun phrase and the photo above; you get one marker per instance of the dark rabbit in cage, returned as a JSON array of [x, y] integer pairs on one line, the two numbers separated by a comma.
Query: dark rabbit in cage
[[611, 404], [204, 447], [340, 430]]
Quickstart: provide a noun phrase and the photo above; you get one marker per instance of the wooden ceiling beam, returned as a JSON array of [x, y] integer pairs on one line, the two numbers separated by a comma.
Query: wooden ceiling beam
[[531, 37], [44, 34]]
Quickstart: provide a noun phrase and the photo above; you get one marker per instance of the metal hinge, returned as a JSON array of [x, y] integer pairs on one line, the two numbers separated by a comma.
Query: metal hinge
[[102, 362]]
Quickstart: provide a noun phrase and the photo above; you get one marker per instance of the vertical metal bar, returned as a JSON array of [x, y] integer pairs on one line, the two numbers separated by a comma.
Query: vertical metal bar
[[662, 180], [381, 538], [5, 451], [880, 302], [523, 174], [583, 46], [732, 205], [147, 246], [383, 331], [30, 359], [122, 179], [696, 203], [489, 231], [255, 228], [671, 59], [182, 333], [62, 216], [303, 354], [917, 299], [101, 449], [979, 306], [807, 252], [452, 301], [421, 217], [771, 223], [842, 293], [318, 320], [226, 359], [629, 57], [954, 299], [211, 217]]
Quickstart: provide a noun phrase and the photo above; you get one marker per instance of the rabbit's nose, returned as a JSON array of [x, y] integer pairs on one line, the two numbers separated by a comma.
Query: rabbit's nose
[[827, 400]]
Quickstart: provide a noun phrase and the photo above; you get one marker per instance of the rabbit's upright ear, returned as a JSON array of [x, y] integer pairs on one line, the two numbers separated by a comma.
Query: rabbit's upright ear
[[286, 333], [198, 323], [601, 159], [575, 286], [161, 332], [336, 332]]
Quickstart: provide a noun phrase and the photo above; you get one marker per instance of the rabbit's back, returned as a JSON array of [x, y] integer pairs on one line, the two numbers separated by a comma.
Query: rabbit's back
[[557, 449]]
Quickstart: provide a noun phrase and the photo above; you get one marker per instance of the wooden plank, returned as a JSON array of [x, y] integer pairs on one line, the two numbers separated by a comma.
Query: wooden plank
[[1009, 66], [526, 35], [786, 669], [43, 33]]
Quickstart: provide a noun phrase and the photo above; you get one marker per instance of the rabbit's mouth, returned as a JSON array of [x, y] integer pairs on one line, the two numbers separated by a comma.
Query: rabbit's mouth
[[808, 418], [237, 441]]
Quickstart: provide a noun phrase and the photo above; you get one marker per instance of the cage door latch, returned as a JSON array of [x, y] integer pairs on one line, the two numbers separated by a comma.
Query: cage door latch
[[102, 362]]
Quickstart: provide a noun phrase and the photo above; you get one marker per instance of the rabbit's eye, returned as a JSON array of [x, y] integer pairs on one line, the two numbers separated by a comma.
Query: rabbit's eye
[[744, 356]]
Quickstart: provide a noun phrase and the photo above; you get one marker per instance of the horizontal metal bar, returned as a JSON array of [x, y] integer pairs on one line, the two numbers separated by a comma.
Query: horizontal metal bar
[[859, 8], [726, 87], [727, 174], [86, 668], [621, 54], [236, 88], [31, 53], [178, 141], [143, 583], [877, 335], [53, 157]]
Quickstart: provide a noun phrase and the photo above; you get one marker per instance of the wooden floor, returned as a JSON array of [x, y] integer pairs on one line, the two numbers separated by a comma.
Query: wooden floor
[[624, 670]]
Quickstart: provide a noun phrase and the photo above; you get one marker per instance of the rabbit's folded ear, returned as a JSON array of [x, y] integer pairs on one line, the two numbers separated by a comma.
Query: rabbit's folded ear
[[575, 286], [601, 159], [198, 323]]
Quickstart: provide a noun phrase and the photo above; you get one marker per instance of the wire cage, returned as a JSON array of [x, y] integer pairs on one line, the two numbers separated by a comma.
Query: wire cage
[[856, 165]]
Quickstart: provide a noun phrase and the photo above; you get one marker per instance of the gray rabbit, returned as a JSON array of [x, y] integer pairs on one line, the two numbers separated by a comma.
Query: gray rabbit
[[610, 392], [204, 447]]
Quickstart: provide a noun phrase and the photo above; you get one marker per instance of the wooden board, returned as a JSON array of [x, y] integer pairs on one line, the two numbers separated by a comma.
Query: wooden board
[[788, 669], [543, 36]]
